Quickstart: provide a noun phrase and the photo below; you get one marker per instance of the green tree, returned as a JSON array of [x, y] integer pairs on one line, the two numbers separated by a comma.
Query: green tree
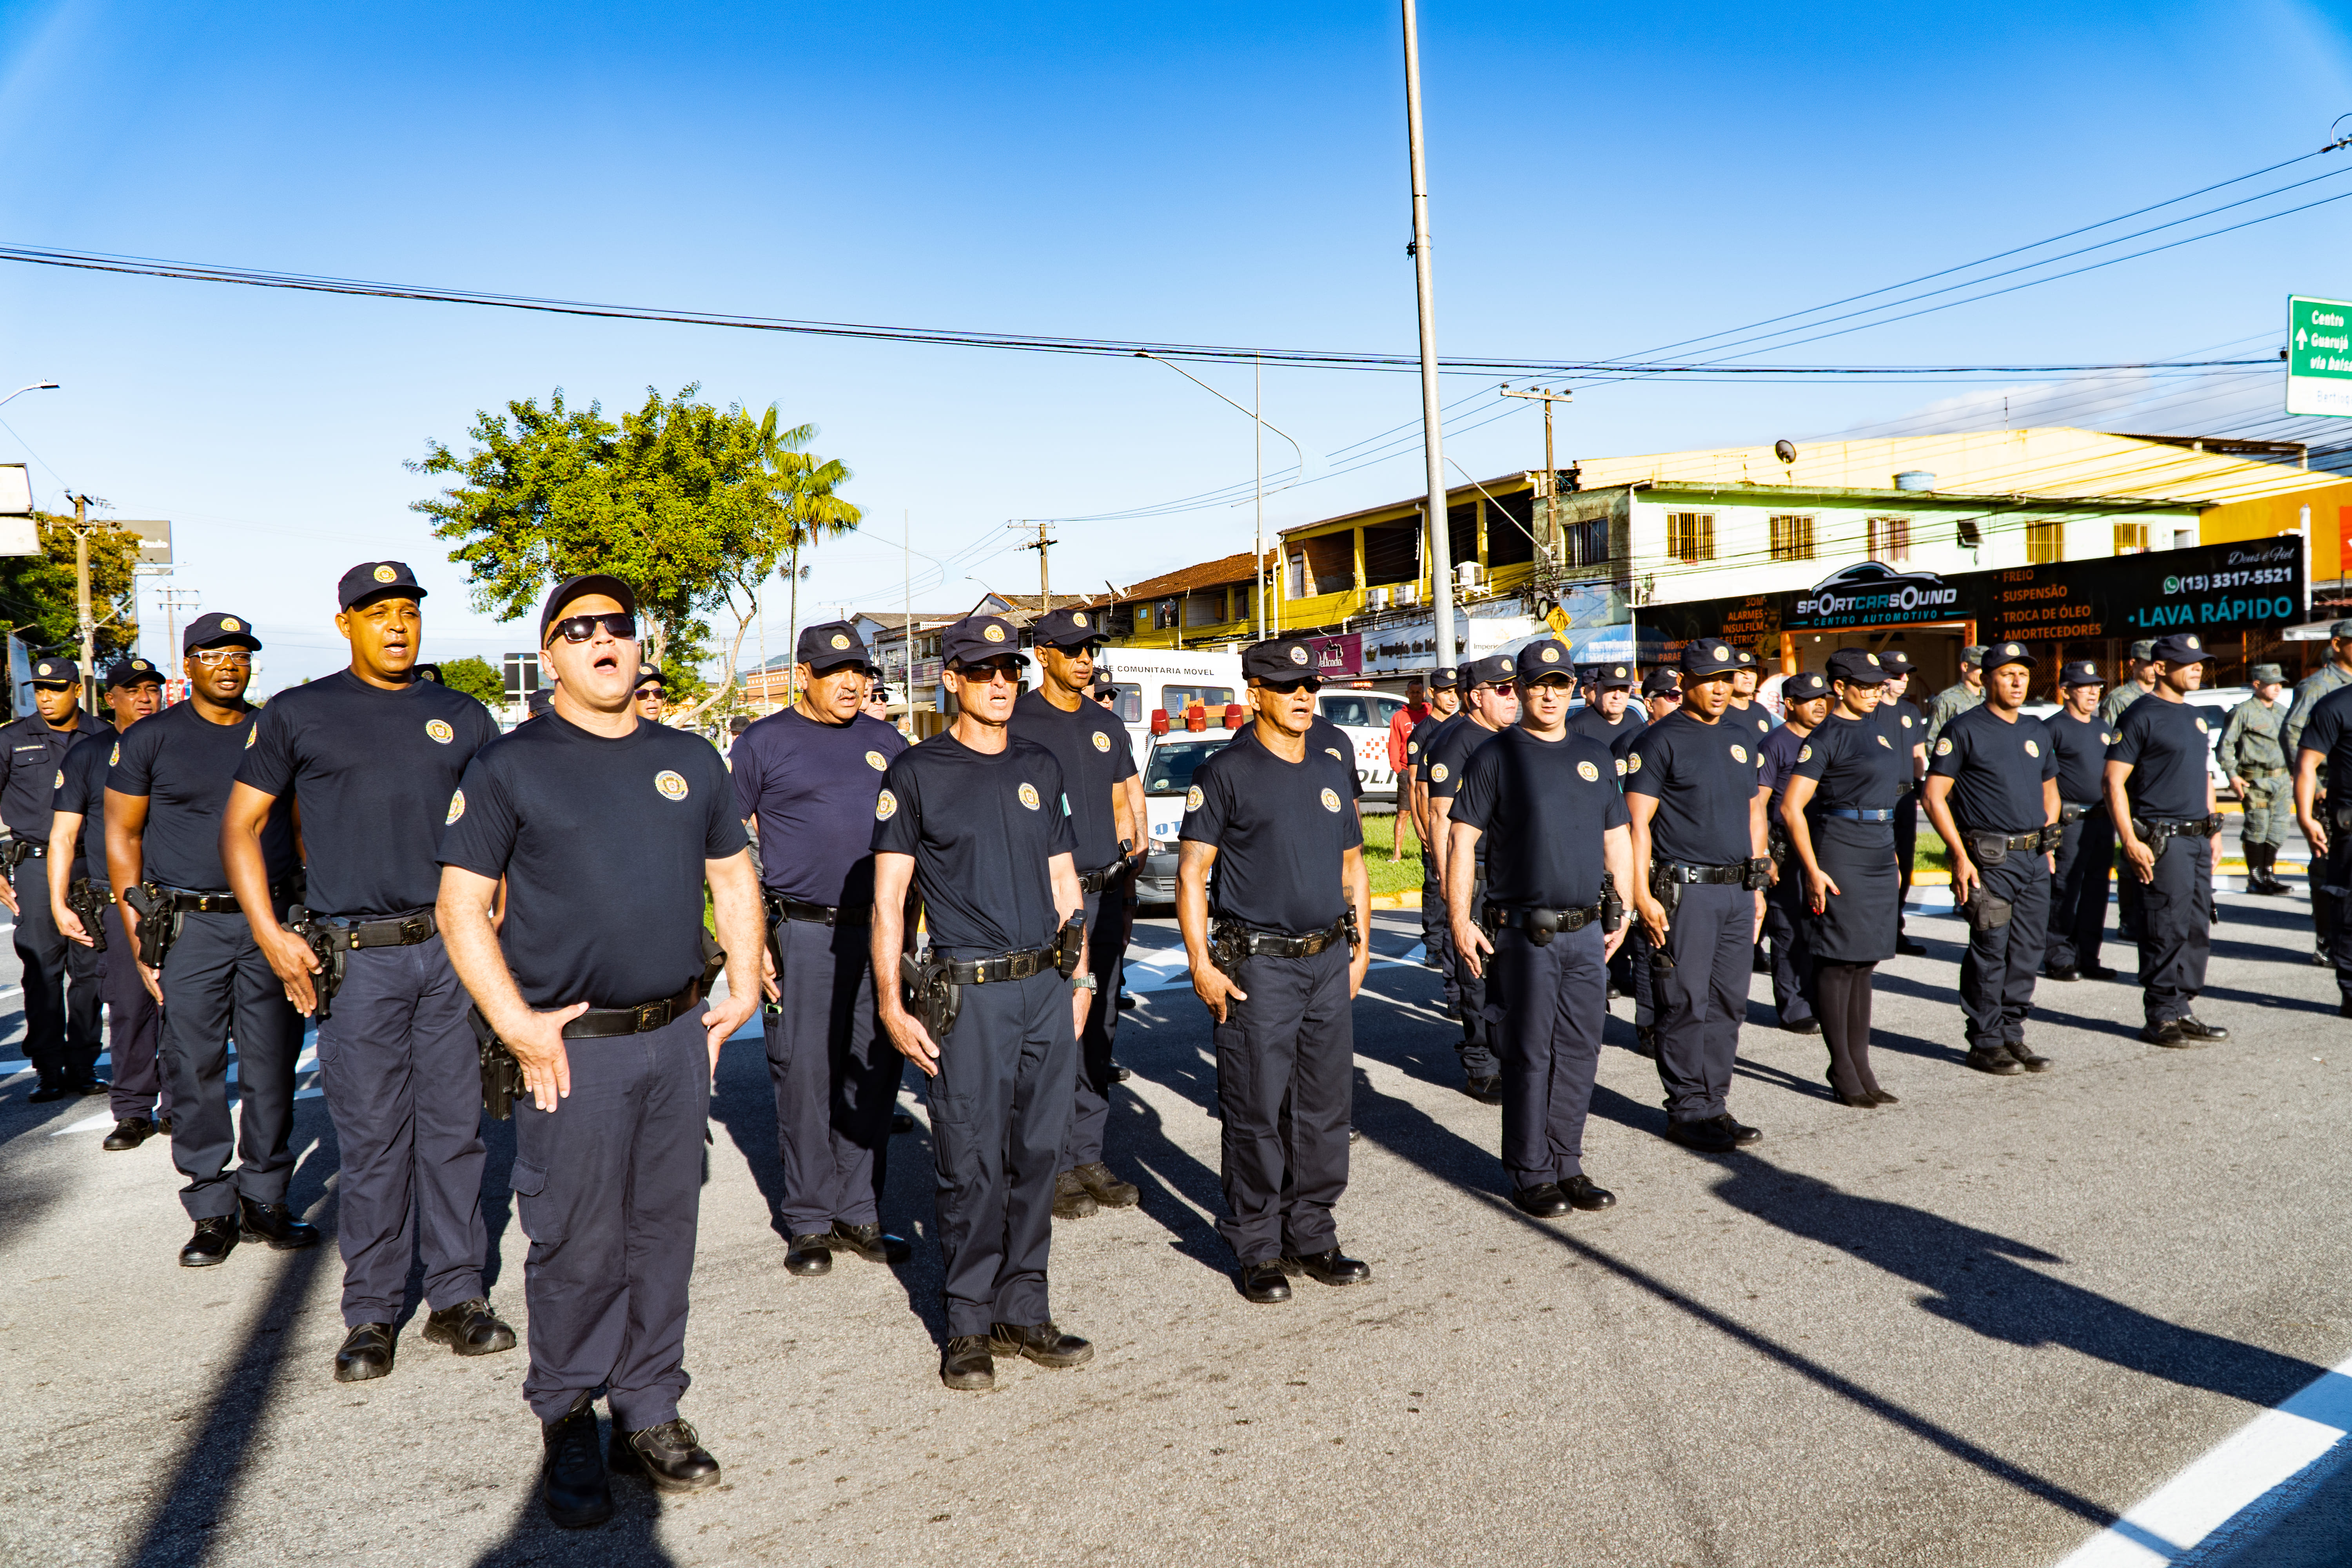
[[477, 678], [36, 591], [693, 506]]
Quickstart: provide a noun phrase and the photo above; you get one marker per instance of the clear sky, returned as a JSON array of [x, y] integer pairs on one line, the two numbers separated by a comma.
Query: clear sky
[[1605, 179]]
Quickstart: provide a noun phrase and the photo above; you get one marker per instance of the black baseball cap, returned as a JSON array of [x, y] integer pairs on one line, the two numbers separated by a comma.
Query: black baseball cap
[[2180, 647], [1441, 679], [371, 580], [1544, 657], [131, 672], [426, 672], [538, 703], [1610, 677], [1492, 670], [1894, 661], [1661, 682], [1857, 666], [217, 630], [978, 637], [58, 672], [2081, 672], [1067, 628], [1708, 656], [1804, 687], [2002, 653], [651, 675], [581, 587], [1279, 659], [831, 645]]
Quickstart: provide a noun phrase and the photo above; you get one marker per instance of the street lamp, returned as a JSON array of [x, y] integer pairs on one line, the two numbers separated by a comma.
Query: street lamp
[[35, 387], [1257, 560]]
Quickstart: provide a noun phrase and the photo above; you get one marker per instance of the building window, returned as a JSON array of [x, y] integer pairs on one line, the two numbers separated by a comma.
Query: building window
[[2131, 539], [1690, 535], [1890, 539], [1204, 609], [1510, 531], [1586, 542], [1163, 615], [1792, 538], [1392, 554], [2045, 541], [2184, 539]]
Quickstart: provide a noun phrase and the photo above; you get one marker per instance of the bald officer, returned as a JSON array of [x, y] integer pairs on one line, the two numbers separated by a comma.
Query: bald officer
[[1096, 763], [596, 834], [2162, 801], [60, 1033], [972, 820], [77, 862], [165, 795], [370, 757], [808, 776]]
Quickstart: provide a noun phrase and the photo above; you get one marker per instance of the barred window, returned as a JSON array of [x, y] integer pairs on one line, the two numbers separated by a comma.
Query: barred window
[[1890, 539], [1587, 542], [1690, 535], [1792, 537], [2045, 541], [2131, 538]]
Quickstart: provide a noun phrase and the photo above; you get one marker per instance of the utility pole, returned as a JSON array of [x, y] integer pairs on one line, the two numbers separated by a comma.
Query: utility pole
[[1441, 546], [86, 628], [175, 601], [793, 629], [1040, 545], [1547, 396]]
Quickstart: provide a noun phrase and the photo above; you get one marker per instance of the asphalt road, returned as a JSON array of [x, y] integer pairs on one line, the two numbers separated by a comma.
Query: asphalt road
[[1968, 1329]]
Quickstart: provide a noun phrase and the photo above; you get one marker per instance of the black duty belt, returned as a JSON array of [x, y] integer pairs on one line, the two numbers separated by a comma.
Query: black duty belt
[[2070, 811], [1672, 871], [30, 849], [1096, 880], [193, 902], [814, 914], [2007, 840], [1855, 813], [2160, 828], [381, 931], [1018, 965], [1250, 942], [605, 1023], [1497, 917]]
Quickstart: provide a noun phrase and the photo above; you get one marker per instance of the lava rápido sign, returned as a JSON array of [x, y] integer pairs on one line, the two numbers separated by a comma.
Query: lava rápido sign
[[2319, 356]]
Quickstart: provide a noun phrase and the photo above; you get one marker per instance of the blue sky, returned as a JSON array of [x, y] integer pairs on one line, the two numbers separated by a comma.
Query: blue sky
[[1605, 179]]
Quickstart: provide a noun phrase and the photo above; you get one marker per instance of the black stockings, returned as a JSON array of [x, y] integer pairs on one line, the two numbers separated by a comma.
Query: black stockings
[[1843, 990]]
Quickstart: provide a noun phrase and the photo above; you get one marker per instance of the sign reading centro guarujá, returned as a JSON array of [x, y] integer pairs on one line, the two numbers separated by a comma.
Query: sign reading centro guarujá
[[2319, 356]]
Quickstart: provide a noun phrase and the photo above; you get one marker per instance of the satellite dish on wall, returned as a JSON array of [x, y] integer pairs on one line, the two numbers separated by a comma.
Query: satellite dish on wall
[[1785, 451]]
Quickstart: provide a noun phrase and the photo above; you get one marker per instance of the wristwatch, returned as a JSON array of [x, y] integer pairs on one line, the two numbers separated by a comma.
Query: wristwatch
[[1082, 982]]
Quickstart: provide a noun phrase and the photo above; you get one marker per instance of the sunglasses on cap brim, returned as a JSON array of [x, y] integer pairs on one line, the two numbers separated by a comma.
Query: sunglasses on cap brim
[[580, 628]]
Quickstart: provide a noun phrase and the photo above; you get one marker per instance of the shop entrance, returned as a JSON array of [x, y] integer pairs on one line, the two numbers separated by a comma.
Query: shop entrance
[[1933, 648]]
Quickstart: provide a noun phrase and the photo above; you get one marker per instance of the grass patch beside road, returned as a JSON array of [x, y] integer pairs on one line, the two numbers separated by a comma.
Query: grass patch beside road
[[1391, 876]]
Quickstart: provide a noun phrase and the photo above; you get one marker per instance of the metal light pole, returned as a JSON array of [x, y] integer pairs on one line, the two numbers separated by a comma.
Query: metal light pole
[[1260, 434], [1441, 546], [32, 387]]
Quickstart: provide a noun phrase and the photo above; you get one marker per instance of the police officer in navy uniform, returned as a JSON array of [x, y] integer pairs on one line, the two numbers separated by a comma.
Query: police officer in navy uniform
[[2308, 694], [1908, 728], [971, 819], [2080, 735], [1445, 687], [1546, 798], [1992, 789], [1839, 812], [1096, 761], [77, 863], [1745, 708], [1612, 713], [2325, 739], [2162, 801], [1662, 694], [370, 758], [808, 776], [165, 795], [60, 979], [1806, 699], [596, 832], [652, 689], [1270, 843], [1697, 820], [1492, 707]]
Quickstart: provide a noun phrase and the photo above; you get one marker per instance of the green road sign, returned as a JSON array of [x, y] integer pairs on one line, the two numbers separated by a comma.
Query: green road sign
[[2319, 356]]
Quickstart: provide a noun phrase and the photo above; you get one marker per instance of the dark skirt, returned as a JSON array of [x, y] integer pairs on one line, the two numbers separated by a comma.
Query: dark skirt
[[1859, 924]]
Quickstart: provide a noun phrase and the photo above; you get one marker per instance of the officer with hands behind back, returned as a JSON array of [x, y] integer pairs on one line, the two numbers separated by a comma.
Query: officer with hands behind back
[[1278, 952], [971, 819], [2086, 838], [371, 757], [1700, 862], [602, 828], [164, 799], [1492, 707], [1992, 794], [1546, 799], [78, 885], [61, 978], [2162, 803], [808, 776]]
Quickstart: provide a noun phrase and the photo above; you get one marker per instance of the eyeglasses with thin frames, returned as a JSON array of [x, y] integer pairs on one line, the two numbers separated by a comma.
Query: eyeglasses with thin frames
[[233, 658]]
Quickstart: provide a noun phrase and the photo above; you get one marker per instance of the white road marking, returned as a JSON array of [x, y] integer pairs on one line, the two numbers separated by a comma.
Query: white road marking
[[2232, 1477]]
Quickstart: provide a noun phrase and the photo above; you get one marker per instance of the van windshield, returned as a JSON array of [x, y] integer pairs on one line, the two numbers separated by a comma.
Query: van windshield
[[1173, 763], [1175, 699]]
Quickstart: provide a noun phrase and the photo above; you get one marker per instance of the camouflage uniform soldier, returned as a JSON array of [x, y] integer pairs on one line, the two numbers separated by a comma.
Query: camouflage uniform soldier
[[1959, 697], [2126, 692], [2334, 673], [2255, 763]]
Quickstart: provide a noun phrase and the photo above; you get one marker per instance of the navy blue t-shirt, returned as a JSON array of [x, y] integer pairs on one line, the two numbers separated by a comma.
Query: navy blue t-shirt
[[1755, 717], [1281, 830], [2081, 747], [1780, 749], [372, 771], [812, 785], [1423, 736], [1854, 764], [1704, 778], [983, 829], [30, 754], [1333, 741], [2166, 745], [1589, 721], [602, 842], [1996, 769], [1449, 755], [1091, 745], [1541, 808], [184, 763], [81, 790]]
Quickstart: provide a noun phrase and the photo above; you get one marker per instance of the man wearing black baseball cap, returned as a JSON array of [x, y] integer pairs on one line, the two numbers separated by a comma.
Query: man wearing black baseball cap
[[2161, 798], [1444, 688], [2087, 840], [1806, 697], [1699, 840], [1494, 707], [165, 795], [1612, 714], [806, 778], [1105, 797], [61, 1035], [972, 820], [651, 686], [1907, 727], [78, 888], [595, 980], [1272, 895], [2308, 694], [370, 756]]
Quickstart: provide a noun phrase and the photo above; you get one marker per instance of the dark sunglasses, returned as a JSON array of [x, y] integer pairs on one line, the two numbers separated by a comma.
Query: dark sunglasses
[[1284, 688], [580, 628], [986, 674]]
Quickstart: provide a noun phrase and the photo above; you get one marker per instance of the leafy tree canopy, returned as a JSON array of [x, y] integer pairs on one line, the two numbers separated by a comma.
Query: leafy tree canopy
[[475, 677], [36, 591], [692, 505]]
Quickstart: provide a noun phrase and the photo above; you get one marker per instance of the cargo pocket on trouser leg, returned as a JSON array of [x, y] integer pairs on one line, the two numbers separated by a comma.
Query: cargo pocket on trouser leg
[[532, 1211]]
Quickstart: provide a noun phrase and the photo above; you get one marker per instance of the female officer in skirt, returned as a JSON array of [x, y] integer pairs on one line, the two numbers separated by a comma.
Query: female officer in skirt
[[1839, 809]]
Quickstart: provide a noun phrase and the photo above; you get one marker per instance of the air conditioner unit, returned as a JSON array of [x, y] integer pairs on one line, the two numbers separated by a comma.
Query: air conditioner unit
[[1376, 599], [1466, 574], [1408, 594]]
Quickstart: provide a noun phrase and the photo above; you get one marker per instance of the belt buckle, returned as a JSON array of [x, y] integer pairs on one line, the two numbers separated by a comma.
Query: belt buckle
[[650, 1017], [413, 930]]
